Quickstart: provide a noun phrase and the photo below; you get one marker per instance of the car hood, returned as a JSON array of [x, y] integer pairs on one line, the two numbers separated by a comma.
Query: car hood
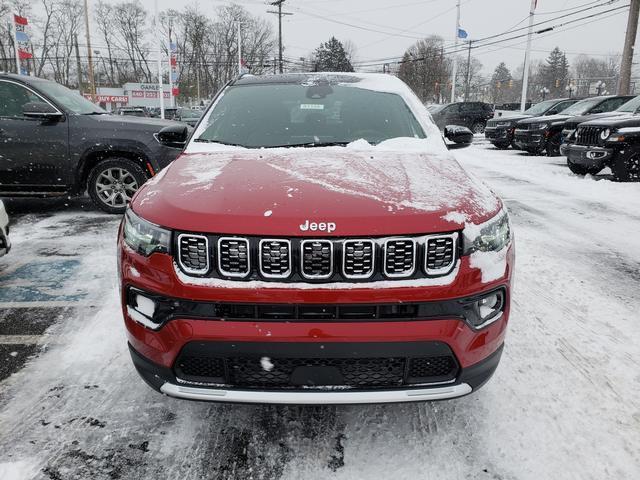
[[132, 123], [596, 116], [615, 122], [510, 118], [544, 119], [273, 192]]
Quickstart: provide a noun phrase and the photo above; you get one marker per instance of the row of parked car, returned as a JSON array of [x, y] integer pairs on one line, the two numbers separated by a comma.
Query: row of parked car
[[190, 116], [593, 133]]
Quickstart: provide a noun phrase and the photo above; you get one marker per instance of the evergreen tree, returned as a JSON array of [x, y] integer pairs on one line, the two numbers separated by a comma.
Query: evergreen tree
[[501, 83], [331, 57], [555, 74]]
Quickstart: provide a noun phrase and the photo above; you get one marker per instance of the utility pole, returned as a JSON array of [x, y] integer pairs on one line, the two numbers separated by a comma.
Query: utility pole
[[468, 83], [527, 58], [624, 83], [92, 81], [239, 49], [280, 13], [12, 30], [78, 66], [454, 73], [159, 43]]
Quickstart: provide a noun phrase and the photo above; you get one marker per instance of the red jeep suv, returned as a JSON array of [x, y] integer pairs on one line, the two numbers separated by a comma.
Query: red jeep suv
[[316, 243]]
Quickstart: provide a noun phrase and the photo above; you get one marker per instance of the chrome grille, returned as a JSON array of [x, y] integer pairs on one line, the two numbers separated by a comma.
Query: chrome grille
[[193, 253], [440, 254], [233, 256], [589, 135], [275, 258], [316, 258], [399, 257], [358, 258]]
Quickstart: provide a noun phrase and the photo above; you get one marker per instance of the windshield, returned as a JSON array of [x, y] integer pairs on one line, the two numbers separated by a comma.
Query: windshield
[[70, 100], [281, 115], [436, 108], [631, 106], [581, 107], [540, 108]]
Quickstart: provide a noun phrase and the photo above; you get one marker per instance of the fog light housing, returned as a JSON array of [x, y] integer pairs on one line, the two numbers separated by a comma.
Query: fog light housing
[[142, 309], [485, 309]]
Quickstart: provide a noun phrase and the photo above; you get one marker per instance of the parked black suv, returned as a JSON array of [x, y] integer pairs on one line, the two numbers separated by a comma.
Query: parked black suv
[[499, 131], [54, 143], [544, 134], [632, 107], [473, 115], [607, 142]]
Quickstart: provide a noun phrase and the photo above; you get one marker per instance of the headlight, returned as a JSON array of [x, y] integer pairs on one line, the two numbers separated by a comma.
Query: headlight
[[503, 124], [490, 236], [144, 237], [540, 126]]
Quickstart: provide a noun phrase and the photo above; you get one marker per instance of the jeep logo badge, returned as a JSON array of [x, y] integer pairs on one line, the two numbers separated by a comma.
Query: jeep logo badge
[[318, 227]]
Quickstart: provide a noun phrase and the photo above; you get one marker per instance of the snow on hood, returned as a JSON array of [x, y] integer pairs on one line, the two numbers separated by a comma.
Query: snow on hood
[[232, 191]]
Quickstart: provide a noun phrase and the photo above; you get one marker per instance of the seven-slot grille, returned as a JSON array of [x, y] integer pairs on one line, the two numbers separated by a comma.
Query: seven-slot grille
[[330, 260], [441, 254], [589, 135], [233, 256], [275, 258], [399, 257], [193, 253], [317, 259], [358, 257]]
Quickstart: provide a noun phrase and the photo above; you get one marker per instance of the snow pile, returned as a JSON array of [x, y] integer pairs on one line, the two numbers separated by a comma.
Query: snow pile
[[20, 470], [492, 265]]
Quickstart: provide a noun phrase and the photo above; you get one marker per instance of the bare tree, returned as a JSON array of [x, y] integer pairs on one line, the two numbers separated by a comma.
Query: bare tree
[[426, 69]]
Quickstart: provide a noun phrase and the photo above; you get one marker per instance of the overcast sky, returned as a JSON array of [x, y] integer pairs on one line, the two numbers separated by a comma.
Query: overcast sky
[[387, 27]]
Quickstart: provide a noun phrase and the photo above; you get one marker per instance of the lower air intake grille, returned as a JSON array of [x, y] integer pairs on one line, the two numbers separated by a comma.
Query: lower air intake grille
[[275, 258], [233, 256], [440, 254], [399, 257], [317, 259], [200, 368], [193, 253], [358, 258], [432, 367]]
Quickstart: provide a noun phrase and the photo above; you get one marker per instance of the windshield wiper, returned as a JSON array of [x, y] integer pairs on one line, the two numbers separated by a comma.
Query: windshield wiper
[[205, 140], [95, 113], [311, 145]]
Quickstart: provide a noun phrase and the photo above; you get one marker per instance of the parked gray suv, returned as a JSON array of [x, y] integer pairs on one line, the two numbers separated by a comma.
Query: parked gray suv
[[53, 142]]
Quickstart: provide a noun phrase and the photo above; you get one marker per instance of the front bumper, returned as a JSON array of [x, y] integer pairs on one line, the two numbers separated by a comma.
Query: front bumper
[[530, 140], [589, 156], [499, 135], [156, 352]]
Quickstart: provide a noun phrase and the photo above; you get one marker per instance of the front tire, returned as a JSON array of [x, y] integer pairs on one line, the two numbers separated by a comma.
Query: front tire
[[553, 145], [626, 169], [113, 182], [477, 127]]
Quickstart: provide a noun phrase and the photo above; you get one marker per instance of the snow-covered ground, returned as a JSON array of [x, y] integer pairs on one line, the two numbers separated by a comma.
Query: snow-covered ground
[[564, 403]]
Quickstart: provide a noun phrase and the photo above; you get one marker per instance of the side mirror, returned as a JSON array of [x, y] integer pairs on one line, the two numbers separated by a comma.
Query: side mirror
[[460, 136], [40, 110], [174, 136]]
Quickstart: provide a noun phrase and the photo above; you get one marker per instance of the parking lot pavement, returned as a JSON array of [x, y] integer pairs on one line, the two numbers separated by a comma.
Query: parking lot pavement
[[564, 403]]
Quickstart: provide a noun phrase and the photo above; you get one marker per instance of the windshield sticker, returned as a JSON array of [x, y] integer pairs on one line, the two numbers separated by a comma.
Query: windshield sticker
[[311, 106]]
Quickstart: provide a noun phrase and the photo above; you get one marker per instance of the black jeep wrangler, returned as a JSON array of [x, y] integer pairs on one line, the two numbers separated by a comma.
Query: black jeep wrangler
[[53, 142], [607, 142]]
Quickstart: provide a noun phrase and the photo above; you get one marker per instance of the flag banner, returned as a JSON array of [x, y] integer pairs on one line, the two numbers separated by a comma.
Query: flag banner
[[24, 55], [175, 91], [23, 71], [173, 47], [462, 33], [174, 61], [22, 37], [174, 76], [20, 20]]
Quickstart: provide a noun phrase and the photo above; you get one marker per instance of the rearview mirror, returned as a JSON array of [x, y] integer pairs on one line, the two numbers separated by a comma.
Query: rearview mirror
[[174, 136], [40, 110], [460, 136]]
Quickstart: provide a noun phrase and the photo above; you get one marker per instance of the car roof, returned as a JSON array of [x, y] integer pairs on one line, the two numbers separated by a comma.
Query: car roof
[[26, 79]]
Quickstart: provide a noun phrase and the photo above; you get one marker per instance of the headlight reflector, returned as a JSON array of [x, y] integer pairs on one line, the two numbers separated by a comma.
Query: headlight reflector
[[491, 236], [540, 126], [144, 237], [503, 124]]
